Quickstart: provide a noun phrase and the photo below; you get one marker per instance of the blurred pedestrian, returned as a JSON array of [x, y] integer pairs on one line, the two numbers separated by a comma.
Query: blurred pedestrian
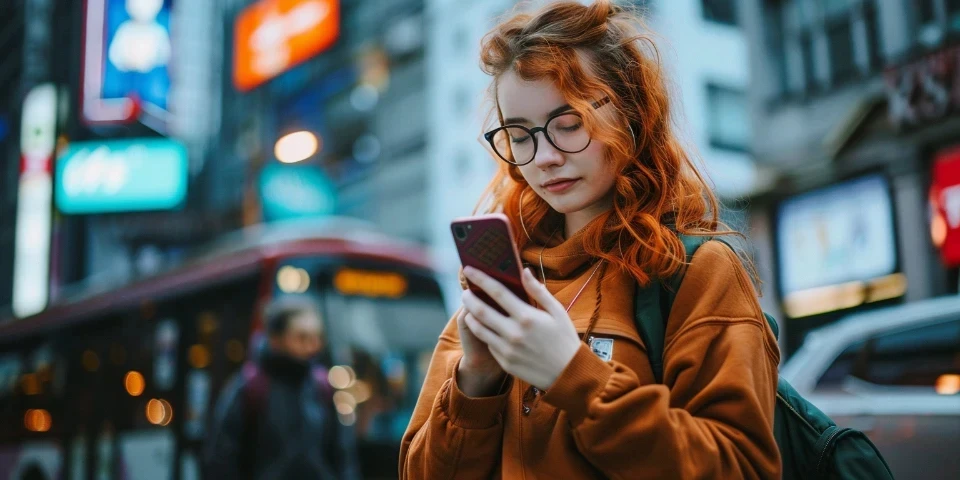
[[277, 420], [601, 194]]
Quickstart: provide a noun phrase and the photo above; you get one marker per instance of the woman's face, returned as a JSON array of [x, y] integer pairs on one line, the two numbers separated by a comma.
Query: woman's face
[[571, 183]]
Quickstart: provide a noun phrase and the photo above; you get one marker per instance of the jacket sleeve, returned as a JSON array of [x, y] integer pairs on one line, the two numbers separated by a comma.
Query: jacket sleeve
[[222, 456], [451, 435], [713, 416]]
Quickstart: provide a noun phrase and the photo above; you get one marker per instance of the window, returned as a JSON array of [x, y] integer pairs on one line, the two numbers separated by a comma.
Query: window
[[915, 357], [807, 53], [777, 55], [843, 62], [929, 21], [720, 11], [844, 366], [953, 7], [834, 7], [953, 13], [827, 41], [873, 37], [926, 12], [729, 118]]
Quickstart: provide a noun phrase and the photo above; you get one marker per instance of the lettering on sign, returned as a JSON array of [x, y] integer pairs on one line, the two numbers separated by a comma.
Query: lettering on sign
[[924, 91]]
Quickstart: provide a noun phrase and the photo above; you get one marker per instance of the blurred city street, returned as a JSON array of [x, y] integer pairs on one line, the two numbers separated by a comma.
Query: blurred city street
[[169, 168]]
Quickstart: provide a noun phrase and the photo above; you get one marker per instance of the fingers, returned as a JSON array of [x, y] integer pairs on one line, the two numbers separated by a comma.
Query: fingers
[[539, 293], [484, 334], [499, 293], [490, 317]]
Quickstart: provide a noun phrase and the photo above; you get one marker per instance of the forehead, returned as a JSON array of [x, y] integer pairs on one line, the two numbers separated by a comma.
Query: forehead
[[305, 321], [530, 99]]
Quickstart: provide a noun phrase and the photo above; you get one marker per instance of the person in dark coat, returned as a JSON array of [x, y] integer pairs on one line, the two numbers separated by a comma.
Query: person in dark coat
[[276, 419]]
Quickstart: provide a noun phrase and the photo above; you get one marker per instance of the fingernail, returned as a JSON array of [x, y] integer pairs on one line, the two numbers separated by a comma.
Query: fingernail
[[468, 271]]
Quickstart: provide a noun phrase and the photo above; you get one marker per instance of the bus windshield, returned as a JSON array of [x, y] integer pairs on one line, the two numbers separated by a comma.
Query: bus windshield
[[380, 348]]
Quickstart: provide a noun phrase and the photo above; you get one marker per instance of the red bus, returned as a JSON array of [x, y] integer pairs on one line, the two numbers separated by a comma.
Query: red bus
[[125, 380]]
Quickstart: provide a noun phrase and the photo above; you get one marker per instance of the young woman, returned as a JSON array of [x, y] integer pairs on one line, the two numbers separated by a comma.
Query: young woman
[[597, 187]]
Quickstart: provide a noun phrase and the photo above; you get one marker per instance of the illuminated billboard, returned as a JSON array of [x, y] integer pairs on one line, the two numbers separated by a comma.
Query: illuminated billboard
[[271, 36], [126, 61], [122, 176]]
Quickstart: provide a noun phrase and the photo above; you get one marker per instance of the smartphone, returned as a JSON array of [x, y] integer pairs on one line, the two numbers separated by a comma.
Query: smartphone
[[485, 242]]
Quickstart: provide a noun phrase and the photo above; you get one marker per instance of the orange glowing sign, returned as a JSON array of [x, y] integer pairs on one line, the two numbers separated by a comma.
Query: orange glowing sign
[[271, 36]]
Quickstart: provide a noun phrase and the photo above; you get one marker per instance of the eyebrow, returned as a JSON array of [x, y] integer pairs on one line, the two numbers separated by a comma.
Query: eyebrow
[[555, 111]]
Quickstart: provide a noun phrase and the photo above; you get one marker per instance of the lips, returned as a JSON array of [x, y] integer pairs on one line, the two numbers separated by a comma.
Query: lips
[[560, 184]]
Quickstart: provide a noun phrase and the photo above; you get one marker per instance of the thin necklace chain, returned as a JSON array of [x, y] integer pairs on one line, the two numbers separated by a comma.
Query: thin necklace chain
[[543, 275]]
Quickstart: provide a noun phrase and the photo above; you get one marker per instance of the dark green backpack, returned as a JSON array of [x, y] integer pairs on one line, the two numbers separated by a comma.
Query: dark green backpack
[[811, 444]]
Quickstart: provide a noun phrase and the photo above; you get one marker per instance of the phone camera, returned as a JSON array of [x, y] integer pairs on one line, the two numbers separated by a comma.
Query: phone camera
[[460, 232]]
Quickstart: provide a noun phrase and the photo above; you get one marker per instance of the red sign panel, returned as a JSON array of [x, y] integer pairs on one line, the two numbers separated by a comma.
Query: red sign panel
[[945, 205], [271, 36]]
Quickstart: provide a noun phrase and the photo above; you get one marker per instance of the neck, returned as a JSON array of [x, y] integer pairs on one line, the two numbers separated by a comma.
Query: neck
[[575, 221]]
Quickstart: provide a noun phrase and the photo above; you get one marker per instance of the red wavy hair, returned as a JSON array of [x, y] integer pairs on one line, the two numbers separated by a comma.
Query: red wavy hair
[[590, 52]]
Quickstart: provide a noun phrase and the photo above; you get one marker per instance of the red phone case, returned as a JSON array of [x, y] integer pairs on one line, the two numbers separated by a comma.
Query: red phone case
[[485, 242]]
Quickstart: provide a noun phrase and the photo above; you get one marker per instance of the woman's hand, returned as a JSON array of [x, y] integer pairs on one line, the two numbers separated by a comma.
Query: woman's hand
[[478, 373], [531, 344]]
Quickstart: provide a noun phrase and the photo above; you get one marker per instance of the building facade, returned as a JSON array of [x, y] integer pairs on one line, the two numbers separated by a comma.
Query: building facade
[[363, 98], [842, 91]]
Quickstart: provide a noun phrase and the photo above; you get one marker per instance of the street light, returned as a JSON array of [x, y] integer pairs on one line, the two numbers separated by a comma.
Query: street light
[[296, 147]]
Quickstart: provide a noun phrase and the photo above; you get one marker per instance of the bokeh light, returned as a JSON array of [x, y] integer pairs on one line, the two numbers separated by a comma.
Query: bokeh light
[[38, 420], [159, 412], [296, 147], [134, 383]]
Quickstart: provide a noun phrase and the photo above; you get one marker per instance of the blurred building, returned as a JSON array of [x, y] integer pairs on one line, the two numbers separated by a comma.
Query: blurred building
[[11, 31], [110, 109], [355, 104], [702, 47], [211, 109], [854, 106]]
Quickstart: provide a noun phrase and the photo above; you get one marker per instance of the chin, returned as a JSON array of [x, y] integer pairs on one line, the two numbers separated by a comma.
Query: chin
[[567, 205]]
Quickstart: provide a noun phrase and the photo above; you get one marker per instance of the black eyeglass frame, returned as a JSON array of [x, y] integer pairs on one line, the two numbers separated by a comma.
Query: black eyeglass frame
[[489, 136]]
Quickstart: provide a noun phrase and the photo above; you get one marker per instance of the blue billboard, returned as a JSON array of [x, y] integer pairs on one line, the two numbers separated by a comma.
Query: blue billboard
[[121, 176], [127, 53]]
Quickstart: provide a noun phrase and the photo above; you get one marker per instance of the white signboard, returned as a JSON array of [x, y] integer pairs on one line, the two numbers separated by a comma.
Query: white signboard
[[836, 234]]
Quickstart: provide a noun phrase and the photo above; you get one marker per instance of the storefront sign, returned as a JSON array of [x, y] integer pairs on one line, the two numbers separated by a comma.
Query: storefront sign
[[122, 176], [295, 191], [271, 36], [925, 90], [842, 235], [945, 205], [126, 60], [31, 258]]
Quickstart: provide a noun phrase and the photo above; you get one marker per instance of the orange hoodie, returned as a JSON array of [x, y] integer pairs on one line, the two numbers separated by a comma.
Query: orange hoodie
[[712, 417]]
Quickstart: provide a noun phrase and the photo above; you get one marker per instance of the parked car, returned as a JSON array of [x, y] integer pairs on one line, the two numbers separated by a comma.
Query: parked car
[[895, 375]]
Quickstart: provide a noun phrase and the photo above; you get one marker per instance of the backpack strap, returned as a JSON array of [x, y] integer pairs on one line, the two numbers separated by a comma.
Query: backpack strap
[[652, 305], [324, 389], [650, 324]]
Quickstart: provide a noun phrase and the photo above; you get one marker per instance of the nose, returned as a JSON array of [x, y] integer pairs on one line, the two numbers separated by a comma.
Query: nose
[[547, 155]]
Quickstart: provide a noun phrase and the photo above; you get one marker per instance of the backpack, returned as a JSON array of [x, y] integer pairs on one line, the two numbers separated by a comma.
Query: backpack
[[811, 445]]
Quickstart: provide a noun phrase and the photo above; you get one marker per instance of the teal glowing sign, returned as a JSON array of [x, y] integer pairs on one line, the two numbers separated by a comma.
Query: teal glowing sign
[[122, 176], [295, 191]]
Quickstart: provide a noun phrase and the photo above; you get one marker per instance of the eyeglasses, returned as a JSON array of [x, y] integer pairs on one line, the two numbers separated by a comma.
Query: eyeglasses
[[517, 145]]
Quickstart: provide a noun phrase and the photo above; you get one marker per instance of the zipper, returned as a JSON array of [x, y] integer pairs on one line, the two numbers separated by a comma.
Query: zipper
[[827, 445]]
